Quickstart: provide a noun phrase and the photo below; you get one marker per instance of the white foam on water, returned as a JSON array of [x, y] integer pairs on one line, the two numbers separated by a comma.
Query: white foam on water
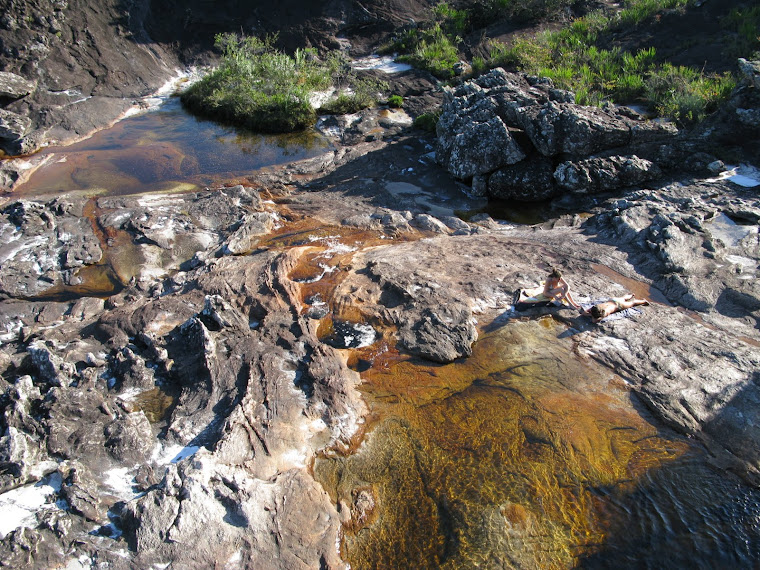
[[384, 63], [365, 333], [743, 175]]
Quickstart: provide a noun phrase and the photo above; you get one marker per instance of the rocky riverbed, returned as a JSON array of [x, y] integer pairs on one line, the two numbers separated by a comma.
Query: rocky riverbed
[[173, 364]]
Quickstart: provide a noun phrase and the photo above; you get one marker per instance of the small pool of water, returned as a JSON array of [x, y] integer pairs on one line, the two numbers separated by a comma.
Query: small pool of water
[[525, 455], [166, 150]]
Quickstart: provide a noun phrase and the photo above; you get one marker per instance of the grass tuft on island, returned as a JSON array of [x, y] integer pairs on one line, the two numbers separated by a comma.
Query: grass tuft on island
[[260, 88]]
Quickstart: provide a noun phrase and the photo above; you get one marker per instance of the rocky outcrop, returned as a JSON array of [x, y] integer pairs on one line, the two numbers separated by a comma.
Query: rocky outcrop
[[518, 137], [43, 246]]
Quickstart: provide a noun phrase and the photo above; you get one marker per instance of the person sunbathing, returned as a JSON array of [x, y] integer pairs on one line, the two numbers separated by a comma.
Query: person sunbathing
[[614, 305]]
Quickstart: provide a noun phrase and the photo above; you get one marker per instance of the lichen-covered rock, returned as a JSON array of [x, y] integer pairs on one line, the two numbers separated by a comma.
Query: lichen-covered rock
[[556, 128], [475, 141], [493, 128], [604, 174]]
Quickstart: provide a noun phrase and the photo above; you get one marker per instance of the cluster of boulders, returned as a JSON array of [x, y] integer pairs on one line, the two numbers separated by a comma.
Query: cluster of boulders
[[513, 136]]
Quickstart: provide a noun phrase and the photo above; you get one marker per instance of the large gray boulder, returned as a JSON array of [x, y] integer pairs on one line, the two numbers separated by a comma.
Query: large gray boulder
[[604, 174], [483, 120], [556, 128], [475, 140]]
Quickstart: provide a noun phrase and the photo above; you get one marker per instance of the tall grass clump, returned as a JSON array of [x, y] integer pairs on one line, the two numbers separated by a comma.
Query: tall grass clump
[[745, 23], [258, 87], [435, 51], [571, 58], [685, 94]]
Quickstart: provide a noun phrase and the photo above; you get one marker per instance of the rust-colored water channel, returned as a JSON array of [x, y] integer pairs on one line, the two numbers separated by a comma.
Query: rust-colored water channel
[[524, 455]]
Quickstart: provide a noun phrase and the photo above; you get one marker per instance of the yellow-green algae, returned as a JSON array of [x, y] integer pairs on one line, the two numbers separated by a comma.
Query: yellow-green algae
[[491, 461]]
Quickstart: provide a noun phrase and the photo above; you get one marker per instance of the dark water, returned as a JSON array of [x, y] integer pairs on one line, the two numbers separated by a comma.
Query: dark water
[[165, 150]]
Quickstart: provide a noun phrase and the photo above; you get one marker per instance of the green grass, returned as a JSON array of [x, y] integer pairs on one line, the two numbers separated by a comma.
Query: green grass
[[434, 51], [745, 23], [571, 58], [395, 101], [427, 121], [263, 89]]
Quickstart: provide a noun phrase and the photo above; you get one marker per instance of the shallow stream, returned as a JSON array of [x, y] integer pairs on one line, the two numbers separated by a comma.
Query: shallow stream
[[527, 454]]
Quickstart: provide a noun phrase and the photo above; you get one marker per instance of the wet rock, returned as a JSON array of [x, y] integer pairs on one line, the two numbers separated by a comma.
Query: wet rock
[[43, 246], [246, 236], [441, 335]]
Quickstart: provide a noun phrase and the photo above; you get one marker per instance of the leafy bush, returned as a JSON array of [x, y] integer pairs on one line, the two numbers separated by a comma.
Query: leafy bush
[[427, 121], [395, 101], [435, 52], [258, 87]]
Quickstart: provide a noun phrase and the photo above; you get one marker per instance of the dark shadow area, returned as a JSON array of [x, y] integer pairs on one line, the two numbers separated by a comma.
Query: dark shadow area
[[738, 305]]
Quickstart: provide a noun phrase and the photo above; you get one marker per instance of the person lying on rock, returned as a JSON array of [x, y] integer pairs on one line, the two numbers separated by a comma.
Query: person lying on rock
[[557, 289], [614, 305]]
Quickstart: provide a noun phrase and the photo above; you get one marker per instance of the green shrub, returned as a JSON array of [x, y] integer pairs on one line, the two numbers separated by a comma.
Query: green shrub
[[395, 101], [435, 52], [258, 87], [427, 121], [364, 93]]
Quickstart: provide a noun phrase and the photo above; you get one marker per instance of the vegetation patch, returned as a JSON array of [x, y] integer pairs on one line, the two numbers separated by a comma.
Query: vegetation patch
[[571, 58], [261, 88], [427, 121], [395, 101]]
